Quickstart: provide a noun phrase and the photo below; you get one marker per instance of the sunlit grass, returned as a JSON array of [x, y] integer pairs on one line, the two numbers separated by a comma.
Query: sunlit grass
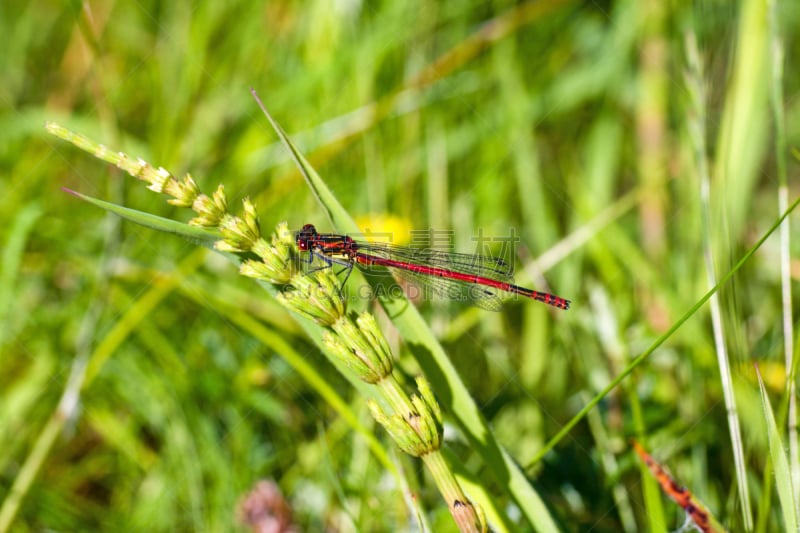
[[572, 124]]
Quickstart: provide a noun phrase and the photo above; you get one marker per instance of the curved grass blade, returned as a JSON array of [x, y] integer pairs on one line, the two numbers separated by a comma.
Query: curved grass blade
[[695, 510], [659, 341], [430, 355], [783, 478], [194, 234]]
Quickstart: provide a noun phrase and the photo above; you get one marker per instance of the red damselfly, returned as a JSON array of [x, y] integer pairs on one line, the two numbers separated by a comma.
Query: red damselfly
[[477, 279]]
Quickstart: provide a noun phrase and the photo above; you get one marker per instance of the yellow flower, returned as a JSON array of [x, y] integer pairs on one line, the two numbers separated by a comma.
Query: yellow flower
[[385, 228]]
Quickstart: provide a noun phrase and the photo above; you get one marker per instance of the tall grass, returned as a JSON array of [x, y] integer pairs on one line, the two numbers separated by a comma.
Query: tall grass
[[143, 384]]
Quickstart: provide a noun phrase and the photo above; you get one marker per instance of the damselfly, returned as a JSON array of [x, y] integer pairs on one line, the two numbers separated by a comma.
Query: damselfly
[[477, 279]]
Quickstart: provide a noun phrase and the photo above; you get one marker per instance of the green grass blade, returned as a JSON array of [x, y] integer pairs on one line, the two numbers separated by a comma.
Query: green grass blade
[[659, 341], [783, 479], [194, 234], [430, 355], [776, 99], [654, 510], [697, 126], [21, 227]]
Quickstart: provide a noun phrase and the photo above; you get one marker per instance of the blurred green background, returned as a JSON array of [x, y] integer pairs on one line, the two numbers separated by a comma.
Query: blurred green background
[[570, 122]]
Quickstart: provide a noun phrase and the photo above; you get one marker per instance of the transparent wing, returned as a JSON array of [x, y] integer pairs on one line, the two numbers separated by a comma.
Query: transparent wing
[[427, 287], [480, 265]]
